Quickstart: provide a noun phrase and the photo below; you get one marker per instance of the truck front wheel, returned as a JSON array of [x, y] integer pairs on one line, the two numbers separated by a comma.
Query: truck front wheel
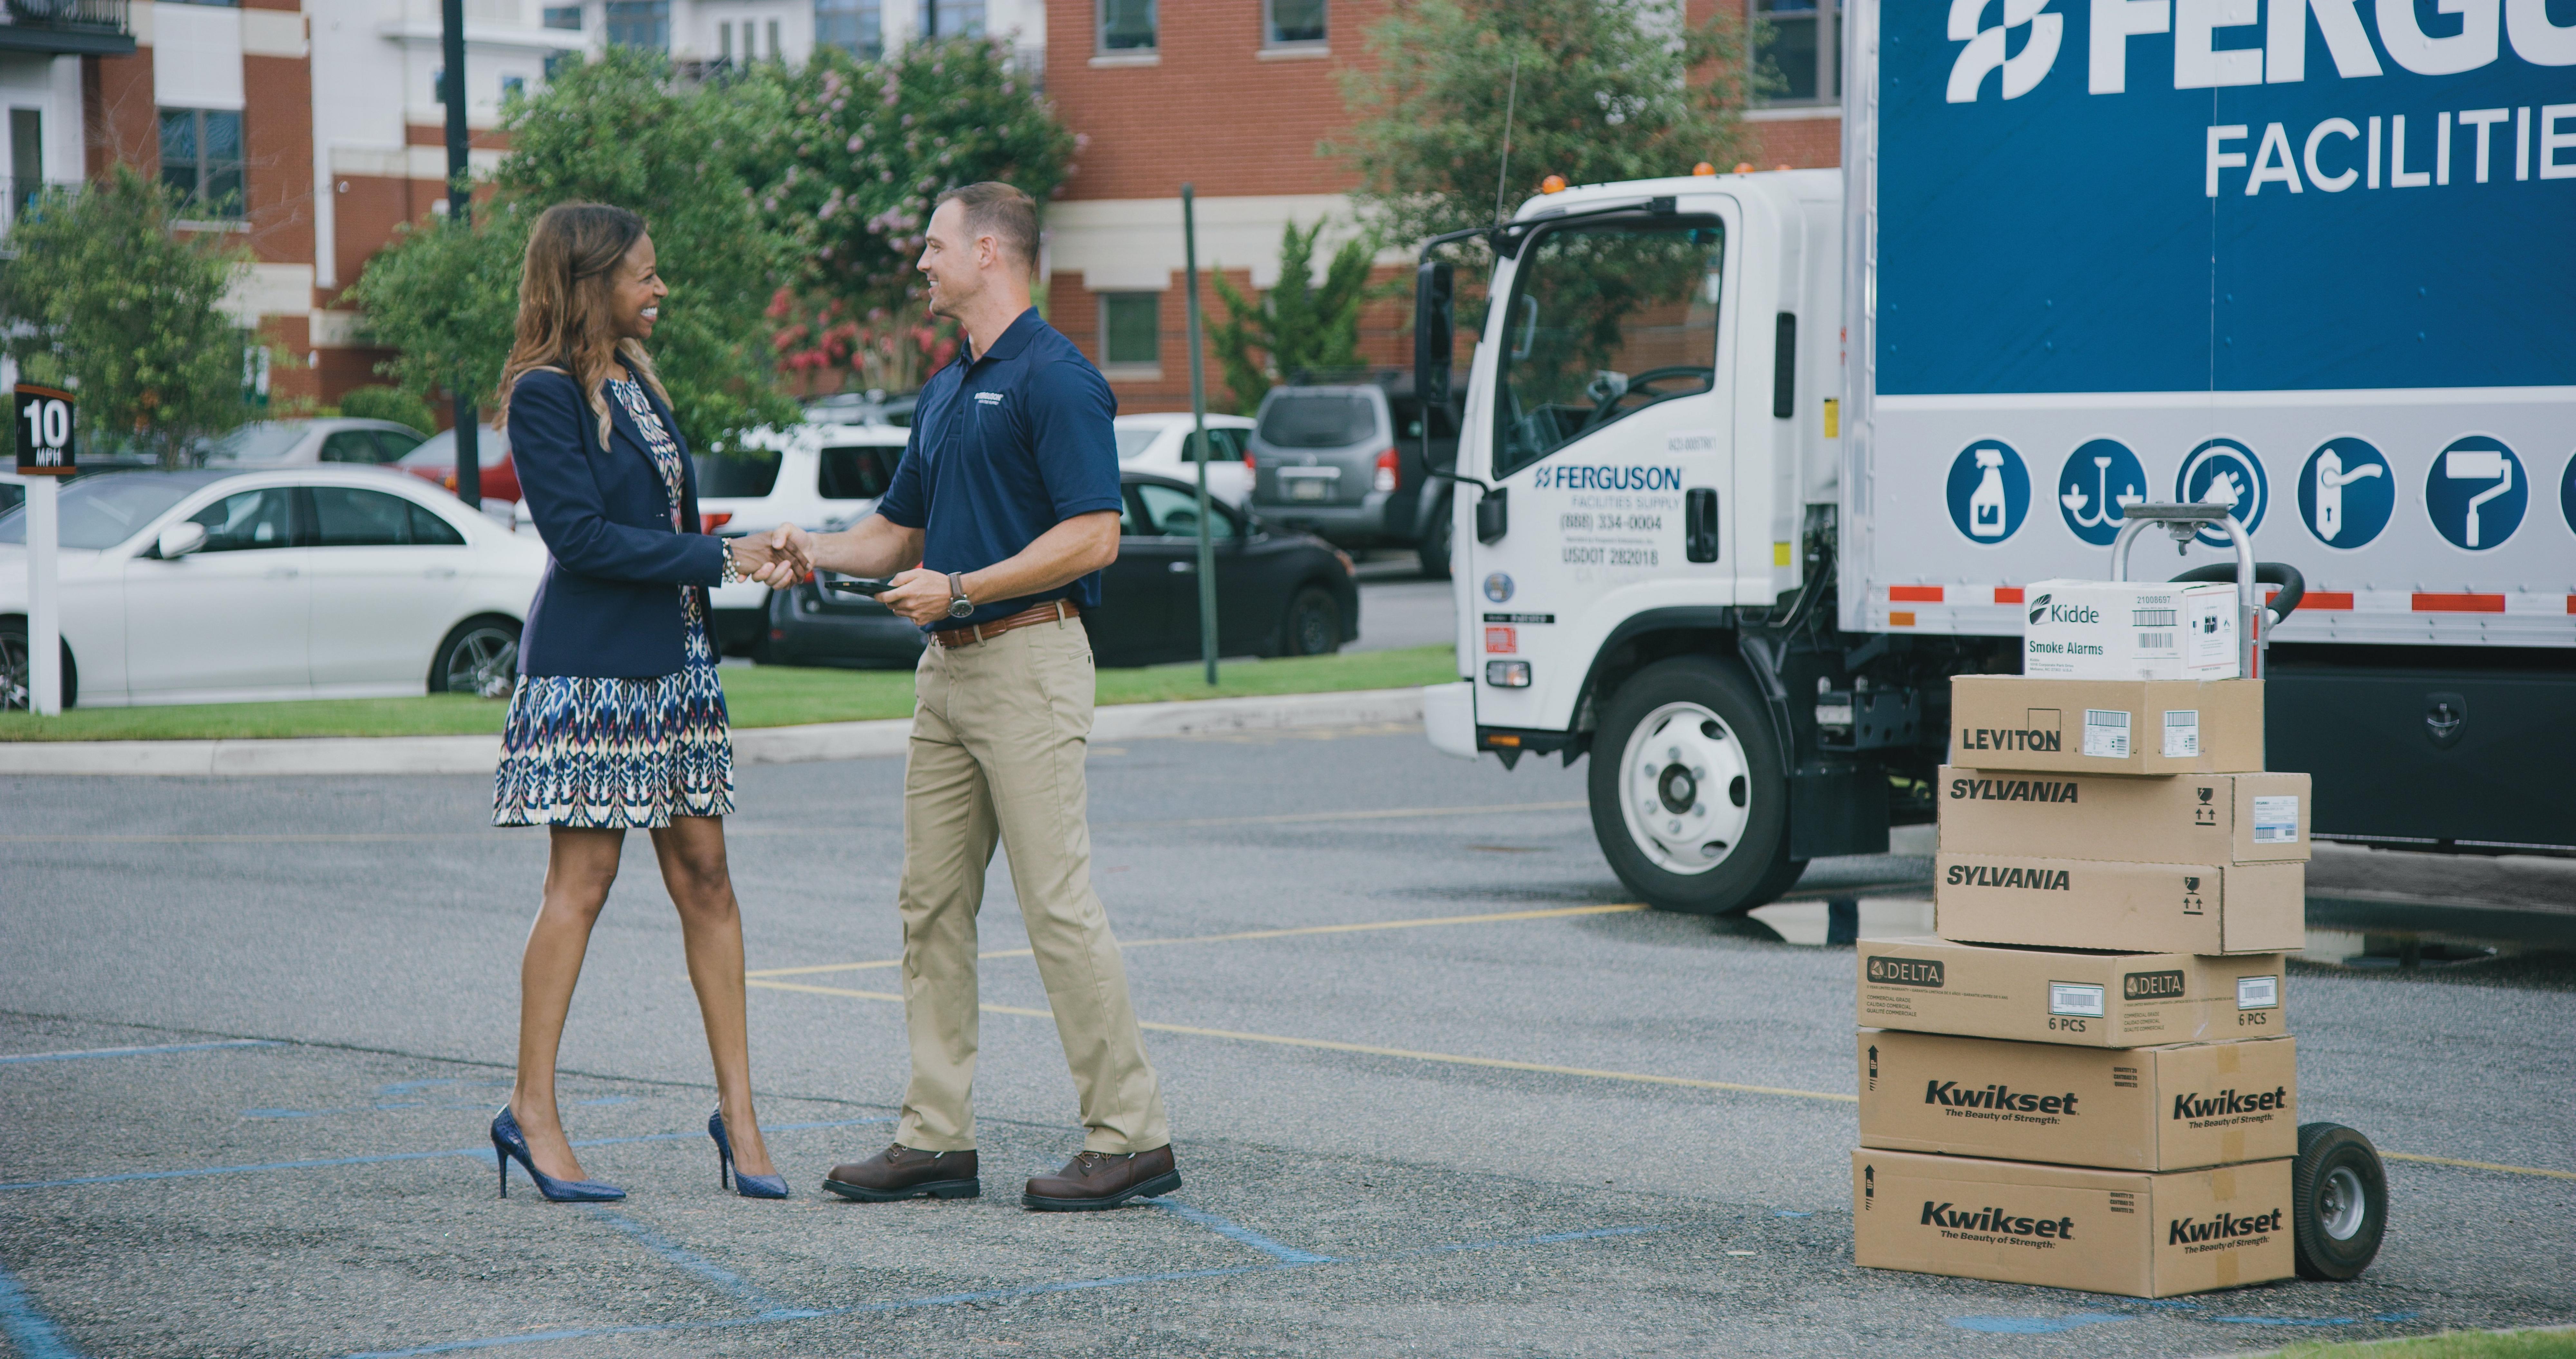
[[1688, 790]]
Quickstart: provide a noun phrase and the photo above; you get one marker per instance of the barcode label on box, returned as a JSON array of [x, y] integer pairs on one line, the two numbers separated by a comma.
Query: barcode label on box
[[2106, 733], [2257, 993], [2155, 641], [2068, 998], [2152, 618], [2276, 820], [2182, 733]]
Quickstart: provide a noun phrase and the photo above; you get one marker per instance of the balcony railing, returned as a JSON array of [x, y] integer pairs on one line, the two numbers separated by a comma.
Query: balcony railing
[[100, 16]]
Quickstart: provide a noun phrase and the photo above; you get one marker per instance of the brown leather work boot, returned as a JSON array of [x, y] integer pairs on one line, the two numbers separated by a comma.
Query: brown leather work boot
[[900, 1172], [1099, 1179]]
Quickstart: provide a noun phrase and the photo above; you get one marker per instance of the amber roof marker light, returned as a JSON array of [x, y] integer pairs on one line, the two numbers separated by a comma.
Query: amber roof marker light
[[1552, 184]]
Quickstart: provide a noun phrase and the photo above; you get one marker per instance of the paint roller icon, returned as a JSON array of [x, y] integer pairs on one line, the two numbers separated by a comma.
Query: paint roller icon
[[2478, 465]]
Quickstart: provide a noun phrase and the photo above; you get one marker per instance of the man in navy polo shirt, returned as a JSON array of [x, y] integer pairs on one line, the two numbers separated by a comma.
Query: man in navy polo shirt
[[1006, 507]]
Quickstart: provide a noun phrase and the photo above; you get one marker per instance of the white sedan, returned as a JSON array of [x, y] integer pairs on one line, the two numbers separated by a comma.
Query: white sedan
[[1160, 443], [309, 582]]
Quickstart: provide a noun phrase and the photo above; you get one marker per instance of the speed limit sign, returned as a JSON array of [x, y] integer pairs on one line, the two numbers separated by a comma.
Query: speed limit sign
[[44, 431]]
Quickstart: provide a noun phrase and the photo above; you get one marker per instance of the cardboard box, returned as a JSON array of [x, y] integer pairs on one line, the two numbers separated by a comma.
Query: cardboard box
[[2101, 629], [2088, 999], [2188, 819], [2107, 726], [2100, 1231], [2094, 903], [2171, 1107]]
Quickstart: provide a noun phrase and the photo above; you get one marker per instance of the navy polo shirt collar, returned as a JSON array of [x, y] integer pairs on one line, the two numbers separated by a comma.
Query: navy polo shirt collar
[[1013, 339]]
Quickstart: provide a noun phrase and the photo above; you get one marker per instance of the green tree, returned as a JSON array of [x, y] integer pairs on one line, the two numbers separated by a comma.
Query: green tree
[[1299, 325], [104, 294], [387, 403], [1597, 90], [615, 130]]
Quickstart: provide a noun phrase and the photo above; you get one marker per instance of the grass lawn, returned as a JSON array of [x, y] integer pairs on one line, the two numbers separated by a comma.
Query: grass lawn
[[757, 696], [2454, 1345]]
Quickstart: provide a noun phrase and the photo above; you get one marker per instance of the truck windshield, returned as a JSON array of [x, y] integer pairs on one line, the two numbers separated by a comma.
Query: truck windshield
[[1605, 321]]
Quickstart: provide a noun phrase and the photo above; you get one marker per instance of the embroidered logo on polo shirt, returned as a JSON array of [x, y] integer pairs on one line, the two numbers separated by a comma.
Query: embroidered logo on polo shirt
[[989, 398]]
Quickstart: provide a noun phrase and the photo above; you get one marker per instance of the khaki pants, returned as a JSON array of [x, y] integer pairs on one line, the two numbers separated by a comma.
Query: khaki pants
[[999, 730]]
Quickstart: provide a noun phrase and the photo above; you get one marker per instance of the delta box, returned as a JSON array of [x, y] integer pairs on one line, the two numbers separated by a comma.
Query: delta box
[[2099, 1000], [2190, 819], [2107, 726], [2100, 1231], [2171, 1107], [2101, 629], [2095, 903]]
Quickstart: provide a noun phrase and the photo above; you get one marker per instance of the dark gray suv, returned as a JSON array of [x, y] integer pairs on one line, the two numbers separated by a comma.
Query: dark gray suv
[[1345, 462]]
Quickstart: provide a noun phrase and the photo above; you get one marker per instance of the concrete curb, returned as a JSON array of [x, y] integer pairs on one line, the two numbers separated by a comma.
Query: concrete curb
[[754, 745]]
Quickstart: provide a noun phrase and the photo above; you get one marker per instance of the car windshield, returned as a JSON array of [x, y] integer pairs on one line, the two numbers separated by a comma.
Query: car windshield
[[258, 441], [104, 511], [1132, 443], [745, 475], [1317, 419], [439, 450]]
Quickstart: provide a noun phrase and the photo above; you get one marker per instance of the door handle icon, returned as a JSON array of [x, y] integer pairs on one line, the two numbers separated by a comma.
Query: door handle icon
[[1699, 516], [2470, 464]]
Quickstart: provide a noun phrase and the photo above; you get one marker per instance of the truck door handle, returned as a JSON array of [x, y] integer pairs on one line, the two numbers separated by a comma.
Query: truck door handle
[[1699, 518], [1182, 568]]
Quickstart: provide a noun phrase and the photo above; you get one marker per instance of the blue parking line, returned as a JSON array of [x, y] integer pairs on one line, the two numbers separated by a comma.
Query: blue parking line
[[1235, 1231], [725, 1280], [88, 1053], [476, 1153], [31, 1331]]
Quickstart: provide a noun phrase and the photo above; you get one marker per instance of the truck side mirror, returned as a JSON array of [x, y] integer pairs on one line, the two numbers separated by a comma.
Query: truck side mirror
[[1434, 334]]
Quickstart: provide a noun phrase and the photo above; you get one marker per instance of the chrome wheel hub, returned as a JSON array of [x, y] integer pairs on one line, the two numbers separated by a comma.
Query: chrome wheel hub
[[1683, 789], [485, 663], [2341, 1204]]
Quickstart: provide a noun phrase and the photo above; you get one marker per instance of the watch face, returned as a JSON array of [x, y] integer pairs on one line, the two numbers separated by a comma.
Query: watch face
[[960, 607]]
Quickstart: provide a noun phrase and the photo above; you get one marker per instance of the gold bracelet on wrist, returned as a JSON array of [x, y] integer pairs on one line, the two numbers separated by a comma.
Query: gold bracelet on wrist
[[732, 573]]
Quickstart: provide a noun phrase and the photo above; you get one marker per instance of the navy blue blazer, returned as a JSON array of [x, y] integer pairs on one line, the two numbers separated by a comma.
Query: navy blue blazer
[[606, 607]]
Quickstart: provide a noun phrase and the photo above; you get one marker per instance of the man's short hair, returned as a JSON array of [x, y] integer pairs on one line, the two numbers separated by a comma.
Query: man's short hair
[[1001, 211]]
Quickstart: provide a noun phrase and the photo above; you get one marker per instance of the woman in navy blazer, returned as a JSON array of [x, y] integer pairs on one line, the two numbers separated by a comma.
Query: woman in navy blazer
[[617, 722]]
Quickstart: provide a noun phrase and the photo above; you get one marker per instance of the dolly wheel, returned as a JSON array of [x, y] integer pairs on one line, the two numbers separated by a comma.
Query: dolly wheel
[[2338, 1201]]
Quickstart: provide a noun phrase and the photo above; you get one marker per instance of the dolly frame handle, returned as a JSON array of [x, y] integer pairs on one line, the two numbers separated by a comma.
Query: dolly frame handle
[[2185, 522]]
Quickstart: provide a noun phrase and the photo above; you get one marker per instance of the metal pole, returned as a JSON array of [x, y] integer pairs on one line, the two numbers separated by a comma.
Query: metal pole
[[44, 605], [1198, 419], [460, 193]]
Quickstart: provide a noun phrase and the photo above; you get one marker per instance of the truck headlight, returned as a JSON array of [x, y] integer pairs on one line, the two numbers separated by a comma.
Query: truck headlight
[[1507, 674]]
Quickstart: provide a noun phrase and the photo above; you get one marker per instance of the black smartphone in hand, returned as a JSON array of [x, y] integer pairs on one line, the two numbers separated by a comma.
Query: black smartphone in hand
[[853, 587]]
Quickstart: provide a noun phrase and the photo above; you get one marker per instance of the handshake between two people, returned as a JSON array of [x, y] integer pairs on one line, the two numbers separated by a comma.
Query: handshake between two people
[[784, 557]]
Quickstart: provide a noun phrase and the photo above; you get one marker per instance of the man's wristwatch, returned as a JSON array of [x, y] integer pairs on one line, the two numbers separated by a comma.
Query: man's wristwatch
[[959, 605]]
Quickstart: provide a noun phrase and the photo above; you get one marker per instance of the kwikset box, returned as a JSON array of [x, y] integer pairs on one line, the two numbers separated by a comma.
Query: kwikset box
[[2094, 903], [2088, 999], [2172, 1107], [2187, 819], [2127, 1232], [2106, 726]]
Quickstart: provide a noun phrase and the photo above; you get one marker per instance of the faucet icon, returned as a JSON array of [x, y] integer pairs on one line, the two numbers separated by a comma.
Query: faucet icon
[[2331, 479], [2075, 500], [2478, 465]]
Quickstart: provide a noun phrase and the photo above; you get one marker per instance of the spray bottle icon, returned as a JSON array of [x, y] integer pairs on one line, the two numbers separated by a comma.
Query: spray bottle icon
[[1986, 503], [2331, 479]]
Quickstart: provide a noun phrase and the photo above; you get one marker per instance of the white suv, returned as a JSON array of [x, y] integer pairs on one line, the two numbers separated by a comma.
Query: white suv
[[823, 476]]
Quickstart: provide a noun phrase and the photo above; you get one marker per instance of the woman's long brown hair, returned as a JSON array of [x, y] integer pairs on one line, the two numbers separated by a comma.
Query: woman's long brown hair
[[564, 289]]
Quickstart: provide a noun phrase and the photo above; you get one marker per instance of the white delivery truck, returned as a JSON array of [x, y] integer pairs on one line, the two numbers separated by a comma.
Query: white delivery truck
[[1751, 465]]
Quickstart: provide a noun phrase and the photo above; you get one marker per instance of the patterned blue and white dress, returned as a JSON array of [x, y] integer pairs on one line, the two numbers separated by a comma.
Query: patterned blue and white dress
[[622, 754]]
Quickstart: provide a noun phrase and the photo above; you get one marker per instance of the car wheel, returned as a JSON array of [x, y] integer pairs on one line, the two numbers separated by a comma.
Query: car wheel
[[17, 676], [480, 657], [1434, 551], [1314, 626], [2338, 1201], [1688, 791]]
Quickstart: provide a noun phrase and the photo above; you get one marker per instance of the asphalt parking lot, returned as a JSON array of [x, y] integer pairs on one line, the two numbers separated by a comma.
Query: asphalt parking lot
[[1437, 1088]]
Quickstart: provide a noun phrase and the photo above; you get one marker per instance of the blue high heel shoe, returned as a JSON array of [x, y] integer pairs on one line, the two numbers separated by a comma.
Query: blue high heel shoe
[[748, 1185], [509, 1144]]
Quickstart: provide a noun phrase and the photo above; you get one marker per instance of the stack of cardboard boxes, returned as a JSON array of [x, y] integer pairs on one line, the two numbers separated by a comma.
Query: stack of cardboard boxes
[[2085, 1079]]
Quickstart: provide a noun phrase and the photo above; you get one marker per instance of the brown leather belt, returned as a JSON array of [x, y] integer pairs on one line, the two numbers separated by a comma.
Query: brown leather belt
[[1052, 611]]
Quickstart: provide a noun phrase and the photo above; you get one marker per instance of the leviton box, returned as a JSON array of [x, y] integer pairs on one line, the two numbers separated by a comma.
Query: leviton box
[[2126, 1232], [2187, 819], [2105, 726], [2130, 630], [2079, 997], [2139, 907], [2171, 1107]]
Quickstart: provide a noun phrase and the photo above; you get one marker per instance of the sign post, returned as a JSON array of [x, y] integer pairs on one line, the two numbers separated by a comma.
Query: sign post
[[44, 455], [1198, 435]]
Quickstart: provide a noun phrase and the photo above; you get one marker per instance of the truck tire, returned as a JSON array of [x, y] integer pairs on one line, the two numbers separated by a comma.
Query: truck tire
[[2338, 1202], [1433, 553], [1689, 794]]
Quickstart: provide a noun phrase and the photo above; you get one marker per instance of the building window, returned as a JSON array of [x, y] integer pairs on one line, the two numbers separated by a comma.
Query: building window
[[201, 159], [1127, 25], [26, 157], [513, 87], [1293, 23], [556, 61], [952, 18], [1131, 330], [1802, 50], [564, 17], [855, 26], [774, 54], [640, 23]]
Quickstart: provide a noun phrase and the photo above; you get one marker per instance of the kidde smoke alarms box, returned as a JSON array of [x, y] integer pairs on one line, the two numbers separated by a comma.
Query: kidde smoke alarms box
[[2170, 1107], [2107, 726], [2101, 629], [2191, 818], [2084, 998], [2096, 903], [2101, 1231]]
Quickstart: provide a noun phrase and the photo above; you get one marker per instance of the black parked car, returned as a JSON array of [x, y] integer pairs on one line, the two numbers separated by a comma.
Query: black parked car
[[1279, 593]]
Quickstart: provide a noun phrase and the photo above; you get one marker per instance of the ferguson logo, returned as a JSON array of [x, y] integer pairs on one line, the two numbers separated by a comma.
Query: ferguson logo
[[2023, 70], [2184, 1231]]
